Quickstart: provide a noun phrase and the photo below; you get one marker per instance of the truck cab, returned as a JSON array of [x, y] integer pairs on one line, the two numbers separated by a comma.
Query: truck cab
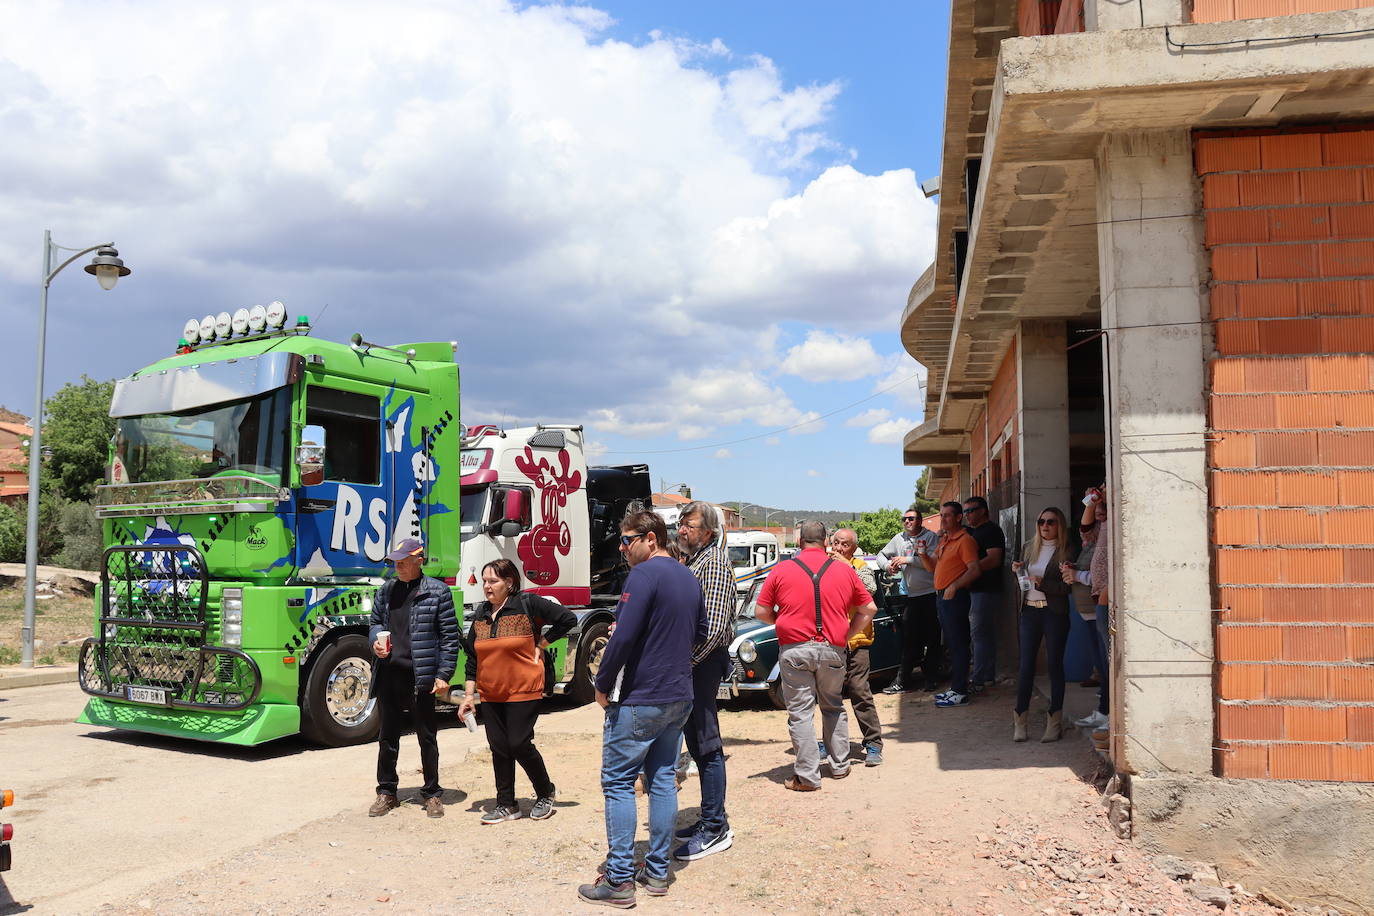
[[257, 479], [529, 496]]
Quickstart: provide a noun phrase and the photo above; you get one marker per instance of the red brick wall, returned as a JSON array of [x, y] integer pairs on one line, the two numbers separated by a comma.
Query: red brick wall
[[1227, 10], [978, 455], [1290, 233]]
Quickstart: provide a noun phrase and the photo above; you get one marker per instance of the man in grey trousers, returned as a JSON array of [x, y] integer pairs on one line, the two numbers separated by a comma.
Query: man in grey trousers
[[808, 598]]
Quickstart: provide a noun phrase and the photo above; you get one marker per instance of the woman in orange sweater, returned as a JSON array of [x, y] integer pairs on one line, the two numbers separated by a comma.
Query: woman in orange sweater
[[505, 666]]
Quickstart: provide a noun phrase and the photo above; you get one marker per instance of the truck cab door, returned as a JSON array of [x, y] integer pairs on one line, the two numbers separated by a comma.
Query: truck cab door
[[345, 521]]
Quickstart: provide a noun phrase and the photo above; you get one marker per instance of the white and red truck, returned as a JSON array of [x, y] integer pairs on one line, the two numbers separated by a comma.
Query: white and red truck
[[528, 495]]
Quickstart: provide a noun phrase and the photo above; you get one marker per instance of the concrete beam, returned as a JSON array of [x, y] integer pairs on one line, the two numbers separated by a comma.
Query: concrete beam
[[1042, 372], [1114, 15], [1153, 278]]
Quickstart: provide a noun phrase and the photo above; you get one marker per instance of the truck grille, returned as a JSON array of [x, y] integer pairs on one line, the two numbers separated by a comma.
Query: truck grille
[[152, 646]]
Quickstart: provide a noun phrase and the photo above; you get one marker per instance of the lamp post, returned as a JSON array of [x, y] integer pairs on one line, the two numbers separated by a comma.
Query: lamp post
[[107, 268]]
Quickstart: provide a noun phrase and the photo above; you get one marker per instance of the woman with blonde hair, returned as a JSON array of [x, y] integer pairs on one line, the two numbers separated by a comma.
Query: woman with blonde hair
[[1044, 617]]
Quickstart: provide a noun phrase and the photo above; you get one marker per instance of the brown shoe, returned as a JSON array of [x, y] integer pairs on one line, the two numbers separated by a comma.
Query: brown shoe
[[434, 807], [796, 785], [382, 805]]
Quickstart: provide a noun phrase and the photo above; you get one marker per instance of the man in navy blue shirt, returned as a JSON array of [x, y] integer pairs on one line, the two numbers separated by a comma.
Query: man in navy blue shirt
[[645, 685]]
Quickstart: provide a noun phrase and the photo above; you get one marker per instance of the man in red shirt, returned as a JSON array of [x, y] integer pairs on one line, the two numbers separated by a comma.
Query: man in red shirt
[[808, 598]]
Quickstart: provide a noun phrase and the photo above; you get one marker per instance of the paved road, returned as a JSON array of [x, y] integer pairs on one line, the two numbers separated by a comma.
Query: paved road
[[102, 815]]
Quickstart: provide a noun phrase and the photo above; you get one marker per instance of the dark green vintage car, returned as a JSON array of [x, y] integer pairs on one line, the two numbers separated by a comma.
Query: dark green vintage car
[[754, 647]]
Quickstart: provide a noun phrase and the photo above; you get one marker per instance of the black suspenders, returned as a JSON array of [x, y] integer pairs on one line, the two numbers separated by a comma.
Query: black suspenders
[[816, 584]]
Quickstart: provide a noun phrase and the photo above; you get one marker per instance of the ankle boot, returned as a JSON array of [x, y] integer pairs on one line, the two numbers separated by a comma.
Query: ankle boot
[[1018, 729], [1054, 727]]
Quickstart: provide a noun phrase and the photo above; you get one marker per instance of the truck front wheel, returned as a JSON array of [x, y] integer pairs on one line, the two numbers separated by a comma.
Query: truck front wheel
[[335, 706], [590, 647]]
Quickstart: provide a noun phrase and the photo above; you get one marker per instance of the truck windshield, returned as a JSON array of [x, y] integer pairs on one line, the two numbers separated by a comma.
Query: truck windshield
[[739, 556], [243, 437], [472, 511]]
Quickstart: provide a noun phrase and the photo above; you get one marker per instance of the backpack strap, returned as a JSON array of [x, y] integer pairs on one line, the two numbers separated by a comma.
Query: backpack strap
[[816, 585]]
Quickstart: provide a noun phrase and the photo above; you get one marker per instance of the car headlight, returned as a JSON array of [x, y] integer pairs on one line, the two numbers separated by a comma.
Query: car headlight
[[747, 651], [231, 617]]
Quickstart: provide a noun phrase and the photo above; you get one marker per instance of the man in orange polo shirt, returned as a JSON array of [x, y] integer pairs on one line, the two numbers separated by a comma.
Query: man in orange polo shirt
[[955, 565]]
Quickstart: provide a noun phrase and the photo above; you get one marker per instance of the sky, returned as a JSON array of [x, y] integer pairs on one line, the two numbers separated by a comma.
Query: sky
[[690, 227]]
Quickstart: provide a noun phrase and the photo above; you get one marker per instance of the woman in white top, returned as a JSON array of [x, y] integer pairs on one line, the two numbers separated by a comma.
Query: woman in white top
[[1044, 616]]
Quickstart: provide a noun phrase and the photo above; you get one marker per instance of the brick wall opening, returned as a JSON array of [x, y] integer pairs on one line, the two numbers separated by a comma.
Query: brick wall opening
[[1290, 235]]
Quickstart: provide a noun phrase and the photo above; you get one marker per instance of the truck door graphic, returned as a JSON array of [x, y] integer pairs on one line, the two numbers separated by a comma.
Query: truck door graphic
[[346, 524]]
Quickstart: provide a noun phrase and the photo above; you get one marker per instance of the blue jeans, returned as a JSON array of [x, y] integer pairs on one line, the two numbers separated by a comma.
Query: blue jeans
[[703, 739], [982, 608], [954, 620], [1104, 659], [1050, 624], [638, 738]]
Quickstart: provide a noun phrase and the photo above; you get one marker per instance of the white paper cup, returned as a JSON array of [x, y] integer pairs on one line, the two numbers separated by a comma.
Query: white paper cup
[[384, 637], [470, 720]]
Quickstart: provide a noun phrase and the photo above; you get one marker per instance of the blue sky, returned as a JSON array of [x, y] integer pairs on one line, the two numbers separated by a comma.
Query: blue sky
[[691, 227]]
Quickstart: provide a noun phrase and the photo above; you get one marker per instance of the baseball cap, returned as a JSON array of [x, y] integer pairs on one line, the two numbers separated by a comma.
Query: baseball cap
[[410, 547]]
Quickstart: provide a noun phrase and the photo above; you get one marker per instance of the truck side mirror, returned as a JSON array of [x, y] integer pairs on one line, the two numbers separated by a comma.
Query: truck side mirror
[[510, 529], [517, 508], [310, 456]]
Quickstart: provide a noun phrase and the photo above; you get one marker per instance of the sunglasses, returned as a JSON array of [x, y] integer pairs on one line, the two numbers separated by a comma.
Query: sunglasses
[[627, 539], [909, 518], [1048, 521]]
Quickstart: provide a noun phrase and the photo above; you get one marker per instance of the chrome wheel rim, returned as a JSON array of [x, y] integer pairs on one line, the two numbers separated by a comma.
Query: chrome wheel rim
[[346, 689], [595, 649]]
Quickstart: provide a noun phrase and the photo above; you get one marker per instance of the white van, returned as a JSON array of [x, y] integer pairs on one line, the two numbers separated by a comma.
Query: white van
[[751, 554]]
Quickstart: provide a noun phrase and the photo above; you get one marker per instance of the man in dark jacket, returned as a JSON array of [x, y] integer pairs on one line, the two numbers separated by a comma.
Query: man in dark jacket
[[415, 661], [645, 685]]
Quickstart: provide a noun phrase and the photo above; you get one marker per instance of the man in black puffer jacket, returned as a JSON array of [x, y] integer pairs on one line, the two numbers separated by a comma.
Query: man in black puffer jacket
[[415, 662]]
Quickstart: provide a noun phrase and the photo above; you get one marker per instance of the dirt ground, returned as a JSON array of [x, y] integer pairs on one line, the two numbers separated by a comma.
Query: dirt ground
[[957, 820], [60, 623]]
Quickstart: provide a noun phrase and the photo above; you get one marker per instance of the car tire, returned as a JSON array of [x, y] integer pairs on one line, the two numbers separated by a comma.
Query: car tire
[[775, 694], [590, 646], [336, 709]]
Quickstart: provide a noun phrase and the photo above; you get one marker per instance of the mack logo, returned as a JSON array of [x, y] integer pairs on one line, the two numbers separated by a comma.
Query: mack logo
[[256, 539]]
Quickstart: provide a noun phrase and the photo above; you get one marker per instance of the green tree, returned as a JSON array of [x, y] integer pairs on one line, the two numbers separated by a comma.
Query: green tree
[[14, 521], [82, 539], [78, 431], [920, 501], [874, 529]]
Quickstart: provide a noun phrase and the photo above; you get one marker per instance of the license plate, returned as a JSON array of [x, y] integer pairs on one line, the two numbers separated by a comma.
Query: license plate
[[146, 695], [725, 692]]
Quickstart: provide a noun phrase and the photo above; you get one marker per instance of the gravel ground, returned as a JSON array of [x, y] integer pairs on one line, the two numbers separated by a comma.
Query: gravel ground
[[957, 820]]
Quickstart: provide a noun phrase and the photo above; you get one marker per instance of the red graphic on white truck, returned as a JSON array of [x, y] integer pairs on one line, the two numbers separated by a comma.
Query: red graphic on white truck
[[539, 549]]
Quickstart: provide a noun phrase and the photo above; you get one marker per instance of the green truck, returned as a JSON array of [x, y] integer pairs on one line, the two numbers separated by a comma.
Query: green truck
[[257, 478]]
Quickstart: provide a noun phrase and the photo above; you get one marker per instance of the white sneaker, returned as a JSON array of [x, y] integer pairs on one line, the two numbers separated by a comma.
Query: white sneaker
[[1095, 721]]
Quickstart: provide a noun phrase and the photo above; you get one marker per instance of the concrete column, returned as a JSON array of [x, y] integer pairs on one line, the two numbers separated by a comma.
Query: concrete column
[[1042, 389], [1153, 280], [1112, 15], [965, 476]]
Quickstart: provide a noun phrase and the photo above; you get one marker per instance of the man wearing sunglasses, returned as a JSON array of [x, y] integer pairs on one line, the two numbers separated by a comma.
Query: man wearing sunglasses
[[645, 685], [955, 565], [920, 624], [702, 552]]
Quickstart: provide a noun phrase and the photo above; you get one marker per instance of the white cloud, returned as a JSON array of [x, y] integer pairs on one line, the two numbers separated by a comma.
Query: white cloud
[[594, 449], [722, 453], [892, 432], [500, 174], [869, 417], [813, 473], [903, 380], [827, 357]]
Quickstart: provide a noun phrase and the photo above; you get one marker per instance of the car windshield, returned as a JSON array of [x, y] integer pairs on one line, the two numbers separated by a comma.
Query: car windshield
[[248, 436], [749, 604], [472, 509], [739, 556]]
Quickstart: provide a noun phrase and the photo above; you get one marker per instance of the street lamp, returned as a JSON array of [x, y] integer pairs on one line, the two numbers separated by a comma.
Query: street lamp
[[107, 268]]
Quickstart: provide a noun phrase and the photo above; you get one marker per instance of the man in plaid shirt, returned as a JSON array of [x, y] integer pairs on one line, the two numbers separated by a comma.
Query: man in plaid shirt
[[697, 536]]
